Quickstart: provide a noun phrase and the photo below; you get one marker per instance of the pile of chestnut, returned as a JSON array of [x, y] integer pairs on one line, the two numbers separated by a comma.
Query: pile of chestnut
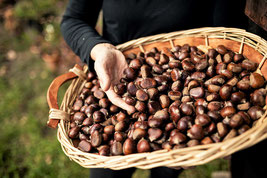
[[183, 97]]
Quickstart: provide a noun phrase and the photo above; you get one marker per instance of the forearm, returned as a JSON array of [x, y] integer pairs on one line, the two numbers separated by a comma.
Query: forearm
[[78, 28], [80, 37]]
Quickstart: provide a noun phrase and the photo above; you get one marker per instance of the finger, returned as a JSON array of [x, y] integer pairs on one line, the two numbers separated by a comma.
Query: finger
[[104, 78], [118, 101]]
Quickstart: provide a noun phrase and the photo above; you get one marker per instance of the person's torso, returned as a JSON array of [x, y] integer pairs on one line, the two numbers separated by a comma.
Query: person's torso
[[125, 20]]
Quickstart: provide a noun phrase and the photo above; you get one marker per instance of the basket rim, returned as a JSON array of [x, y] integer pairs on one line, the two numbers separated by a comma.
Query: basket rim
[[113, 162]]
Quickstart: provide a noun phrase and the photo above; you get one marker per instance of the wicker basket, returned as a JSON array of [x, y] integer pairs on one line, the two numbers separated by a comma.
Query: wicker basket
[[238, 40]]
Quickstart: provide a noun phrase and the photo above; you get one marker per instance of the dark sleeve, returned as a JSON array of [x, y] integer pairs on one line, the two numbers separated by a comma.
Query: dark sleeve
[[78, 27]]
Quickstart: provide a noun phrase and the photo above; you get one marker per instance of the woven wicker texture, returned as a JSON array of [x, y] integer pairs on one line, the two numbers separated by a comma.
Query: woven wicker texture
[[240, 41]]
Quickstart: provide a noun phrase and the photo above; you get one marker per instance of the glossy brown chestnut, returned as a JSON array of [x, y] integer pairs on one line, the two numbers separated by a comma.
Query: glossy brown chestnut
[[143, 146]]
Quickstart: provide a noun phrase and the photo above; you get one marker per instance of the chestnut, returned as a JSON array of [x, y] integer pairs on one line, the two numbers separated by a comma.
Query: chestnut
[[227, 111], [257, 98], [186, 109], [153, 107], [109, 129], [140, 106], [77, 105], [148, 83], [177, 138], [161, 114], [236, 121], [73, 132], [222, 49], [243, 84], [120, 89], [99, 94], [174, 64], [170, 126], [233, 81], [238, 58], [130, 100], [151, 61], [143, 146], [104, 102], [141, 95], [164, 59], [141, 124], [225, 91], [88, 121], [152, 93], [116, 148], [256, 80], [243, 129], [176, 74], [104, 150], [200, 109], [139, 133], [231, 134], [222, 129], [214, 106], [193, 142], [79, 117], [154, 134], [145, 71], [131, 88], [95, 127], [98, 116], [255, 112], [177, 86], [202, 119], [129, 146], [206, 140], [237, 97], [164, 101], [184, 123], [96, 138], [135, 64], [85, 146], [245, 117], [214, 115], [154, 122], [119, 136], [197, 92], [158, 69], [130, 73], [187, 65], [121, 126], [196, 132], [212, 53], [249, 65], [175, 113]]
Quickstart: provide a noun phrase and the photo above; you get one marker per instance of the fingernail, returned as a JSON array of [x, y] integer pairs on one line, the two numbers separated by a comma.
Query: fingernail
[[131, 110]]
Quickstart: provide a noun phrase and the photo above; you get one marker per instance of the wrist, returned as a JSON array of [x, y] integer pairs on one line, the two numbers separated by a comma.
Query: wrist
[[98, 49]]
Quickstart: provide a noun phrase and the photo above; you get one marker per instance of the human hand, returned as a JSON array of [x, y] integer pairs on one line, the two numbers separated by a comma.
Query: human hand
[[109, 66]]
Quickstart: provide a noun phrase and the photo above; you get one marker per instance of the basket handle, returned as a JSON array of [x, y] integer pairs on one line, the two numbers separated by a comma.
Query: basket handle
[[52, 93]]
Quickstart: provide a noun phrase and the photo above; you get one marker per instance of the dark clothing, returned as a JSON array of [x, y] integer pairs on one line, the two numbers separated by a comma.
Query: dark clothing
[[250, 162], [159, 172], [131, 19]]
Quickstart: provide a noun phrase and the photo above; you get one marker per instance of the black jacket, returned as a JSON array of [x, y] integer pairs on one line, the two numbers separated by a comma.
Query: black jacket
[[124, 20]]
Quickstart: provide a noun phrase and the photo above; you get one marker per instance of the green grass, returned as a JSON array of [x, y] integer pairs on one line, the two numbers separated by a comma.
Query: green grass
[[28, 147]]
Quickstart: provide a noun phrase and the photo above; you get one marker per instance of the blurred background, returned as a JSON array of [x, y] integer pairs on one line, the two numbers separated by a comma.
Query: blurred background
[[32, 54]]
